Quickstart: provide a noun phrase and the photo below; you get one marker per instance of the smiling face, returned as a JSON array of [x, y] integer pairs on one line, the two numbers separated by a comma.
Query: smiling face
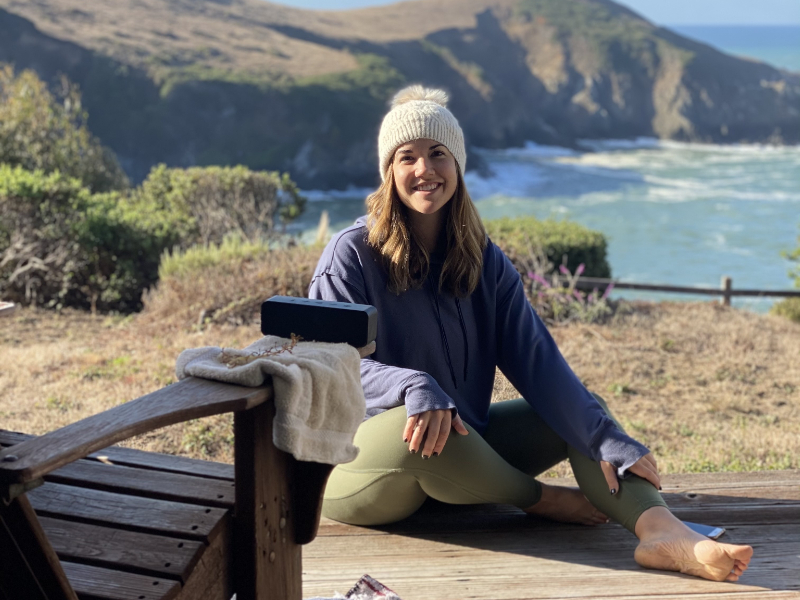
[[425, 175]]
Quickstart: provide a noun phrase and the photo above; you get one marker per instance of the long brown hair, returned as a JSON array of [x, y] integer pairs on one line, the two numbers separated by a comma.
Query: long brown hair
[[406, 261]]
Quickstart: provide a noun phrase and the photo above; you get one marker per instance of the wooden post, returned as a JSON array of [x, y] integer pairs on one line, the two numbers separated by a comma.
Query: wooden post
[[727, 284], [267, 557]]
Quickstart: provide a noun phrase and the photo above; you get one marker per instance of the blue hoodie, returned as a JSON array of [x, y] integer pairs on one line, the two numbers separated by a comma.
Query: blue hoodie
[[436, 351]]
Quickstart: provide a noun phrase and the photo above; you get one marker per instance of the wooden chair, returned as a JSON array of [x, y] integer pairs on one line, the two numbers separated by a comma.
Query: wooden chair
[[122, 524]]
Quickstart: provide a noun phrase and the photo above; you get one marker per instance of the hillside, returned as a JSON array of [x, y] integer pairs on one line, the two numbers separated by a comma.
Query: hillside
[[246, 81]]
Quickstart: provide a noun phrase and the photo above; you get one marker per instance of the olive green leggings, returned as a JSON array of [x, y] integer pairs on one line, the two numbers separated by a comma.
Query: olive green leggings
[[386, 483]]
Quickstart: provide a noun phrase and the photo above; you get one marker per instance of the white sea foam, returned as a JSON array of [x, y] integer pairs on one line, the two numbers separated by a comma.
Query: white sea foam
[[509, 179], [529, 150], [634, 144]]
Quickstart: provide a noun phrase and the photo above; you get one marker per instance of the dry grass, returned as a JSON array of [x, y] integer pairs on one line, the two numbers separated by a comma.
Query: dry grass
[[219, 290], [707, 388]]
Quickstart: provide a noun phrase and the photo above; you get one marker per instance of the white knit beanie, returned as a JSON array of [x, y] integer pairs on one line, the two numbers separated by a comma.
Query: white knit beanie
[[419, 113]]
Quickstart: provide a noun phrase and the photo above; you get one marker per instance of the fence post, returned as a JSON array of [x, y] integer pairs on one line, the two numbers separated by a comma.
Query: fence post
[[727, 284]]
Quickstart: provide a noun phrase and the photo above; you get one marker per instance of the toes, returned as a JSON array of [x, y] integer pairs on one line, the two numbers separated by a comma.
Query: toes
[[732, 577]]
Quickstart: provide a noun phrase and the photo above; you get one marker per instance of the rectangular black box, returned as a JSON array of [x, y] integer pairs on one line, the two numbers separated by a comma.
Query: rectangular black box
[[320, 320]]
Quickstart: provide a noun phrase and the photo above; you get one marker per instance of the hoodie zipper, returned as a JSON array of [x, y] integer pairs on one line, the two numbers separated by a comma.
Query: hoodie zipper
[[443, 333]]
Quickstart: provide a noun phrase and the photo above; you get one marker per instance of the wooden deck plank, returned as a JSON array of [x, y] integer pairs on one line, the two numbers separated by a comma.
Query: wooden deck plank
[[126, 512], [131, 551], [144, 482], [96, 583], [483, 552]]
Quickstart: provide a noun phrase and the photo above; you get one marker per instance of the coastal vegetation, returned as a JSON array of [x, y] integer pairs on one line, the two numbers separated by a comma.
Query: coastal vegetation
[[72, 233]]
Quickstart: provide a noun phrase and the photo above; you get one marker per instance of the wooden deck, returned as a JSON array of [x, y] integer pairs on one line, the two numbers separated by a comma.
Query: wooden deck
[[455, 553]]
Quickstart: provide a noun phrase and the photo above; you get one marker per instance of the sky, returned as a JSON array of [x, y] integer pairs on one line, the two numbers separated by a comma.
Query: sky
[[661, 12]]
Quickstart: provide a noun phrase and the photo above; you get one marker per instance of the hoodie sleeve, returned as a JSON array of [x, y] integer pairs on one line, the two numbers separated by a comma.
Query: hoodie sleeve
[[529, 357], [385, 386]]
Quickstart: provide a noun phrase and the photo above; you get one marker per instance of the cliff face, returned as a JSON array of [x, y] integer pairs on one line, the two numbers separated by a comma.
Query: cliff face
[[243, 81]]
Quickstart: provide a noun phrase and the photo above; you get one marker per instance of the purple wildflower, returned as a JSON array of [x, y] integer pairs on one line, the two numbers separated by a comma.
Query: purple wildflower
[[540, 279], [564, 270], [608, 291], [580, 269]]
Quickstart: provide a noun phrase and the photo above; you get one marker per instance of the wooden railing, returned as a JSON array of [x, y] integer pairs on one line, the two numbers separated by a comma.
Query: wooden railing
[[725, 290]]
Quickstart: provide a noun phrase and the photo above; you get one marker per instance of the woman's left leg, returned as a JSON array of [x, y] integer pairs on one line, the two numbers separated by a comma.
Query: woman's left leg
[[524, 440], [518, 434]]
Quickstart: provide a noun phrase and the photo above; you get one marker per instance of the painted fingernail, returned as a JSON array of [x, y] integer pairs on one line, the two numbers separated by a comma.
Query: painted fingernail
[[613, 491], [405, 440], [435, 454], [659, 488], [413, 451], [425, 457]]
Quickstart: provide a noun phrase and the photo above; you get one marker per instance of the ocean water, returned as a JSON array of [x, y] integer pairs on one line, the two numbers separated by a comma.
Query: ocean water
[[778, 45], [673, 213]]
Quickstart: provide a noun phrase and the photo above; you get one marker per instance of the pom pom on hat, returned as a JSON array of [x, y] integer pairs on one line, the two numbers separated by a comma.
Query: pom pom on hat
[[416, 113], [417, 92]]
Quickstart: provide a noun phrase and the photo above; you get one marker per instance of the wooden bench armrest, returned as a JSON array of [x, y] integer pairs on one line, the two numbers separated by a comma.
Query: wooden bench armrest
[[189, 399]]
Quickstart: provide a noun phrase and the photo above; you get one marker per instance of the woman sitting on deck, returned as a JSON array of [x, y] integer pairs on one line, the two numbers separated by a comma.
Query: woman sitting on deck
[[451, 308]]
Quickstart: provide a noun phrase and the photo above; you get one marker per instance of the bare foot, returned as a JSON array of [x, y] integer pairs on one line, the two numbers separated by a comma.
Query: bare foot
[[666, 543], [567, 505]]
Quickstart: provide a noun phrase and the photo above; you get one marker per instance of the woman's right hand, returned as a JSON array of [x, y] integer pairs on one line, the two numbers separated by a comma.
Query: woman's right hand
[[436, 424]]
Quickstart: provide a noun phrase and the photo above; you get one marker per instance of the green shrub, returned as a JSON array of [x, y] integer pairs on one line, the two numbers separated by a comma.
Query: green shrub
[[60, 245], [204, 204], [41, 131], [794, 256], [523, 237], [39, 250], [789, 308]]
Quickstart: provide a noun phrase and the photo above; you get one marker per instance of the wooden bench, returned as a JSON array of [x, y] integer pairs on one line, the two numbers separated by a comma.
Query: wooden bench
[[81, 520]]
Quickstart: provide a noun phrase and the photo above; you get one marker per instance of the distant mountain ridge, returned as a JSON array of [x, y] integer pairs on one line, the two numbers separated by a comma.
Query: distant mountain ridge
[[244, 81]]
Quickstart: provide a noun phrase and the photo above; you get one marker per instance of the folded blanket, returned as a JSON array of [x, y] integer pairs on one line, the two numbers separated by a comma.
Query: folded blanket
[[319, 402]]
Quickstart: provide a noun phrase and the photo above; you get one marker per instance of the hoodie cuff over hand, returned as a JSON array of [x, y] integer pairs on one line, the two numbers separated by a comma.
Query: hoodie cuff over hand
[[619, 449], [422, 393]]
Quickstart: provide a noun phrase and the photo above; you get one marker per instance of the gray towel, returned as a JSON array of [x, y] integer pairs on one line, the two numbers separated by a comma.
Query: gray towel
[[319, 402]]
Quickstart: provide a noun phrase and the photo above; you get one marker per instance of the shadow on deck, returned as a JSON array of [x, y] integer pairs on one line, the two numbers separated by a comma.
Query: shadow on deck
[[458, 552]]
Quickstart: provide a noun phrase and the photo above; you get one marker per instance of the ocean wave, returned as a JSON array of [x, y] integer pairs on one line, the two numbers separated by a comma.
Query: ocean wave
[[509, 179], [528, 150], [612, 144], [648, 143]]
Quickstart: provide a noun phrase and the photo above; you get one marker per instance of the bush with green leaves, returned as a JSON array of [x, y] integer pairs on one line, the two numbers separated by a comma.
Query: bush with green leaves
[[523, 238], [61, 245], [205, 204], [40, 130], [790, 307]]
